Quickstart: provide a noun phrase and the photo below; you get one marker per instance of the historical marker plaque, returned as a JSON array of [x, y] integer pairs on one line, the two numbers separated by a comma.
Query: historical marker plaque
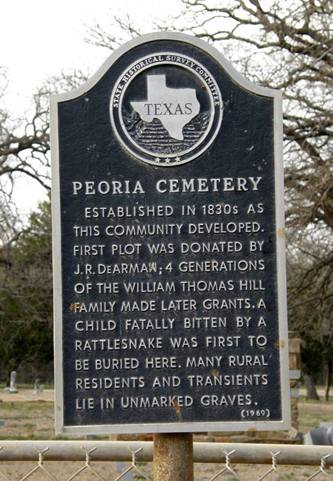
[[170, 303]]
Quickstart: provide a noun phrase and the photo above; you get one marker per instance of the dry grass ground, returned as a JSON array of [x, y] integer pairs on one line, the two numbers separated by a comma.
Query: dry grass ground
[[27, 420], [312, 413], [34, 420]]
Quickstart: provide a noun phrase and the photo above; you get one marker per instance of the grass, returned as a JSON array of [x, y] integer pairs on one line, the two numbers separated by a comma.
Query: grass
[[29, 420], [26, 420], [35, 419], [312, 413], [29, 386]]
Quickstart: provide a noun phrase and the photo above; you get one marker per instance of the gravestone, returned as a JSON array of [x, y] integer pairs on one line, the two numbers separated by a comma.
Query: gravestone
[[321, 435], [38, 388], [12, 384], [169, 274]]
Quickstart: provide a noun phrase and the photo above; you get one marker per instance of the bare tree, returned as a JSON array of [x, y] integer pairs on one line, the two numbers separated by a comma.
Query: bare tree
[[288, 45], [283, 44], [311, 304], [24, 144]]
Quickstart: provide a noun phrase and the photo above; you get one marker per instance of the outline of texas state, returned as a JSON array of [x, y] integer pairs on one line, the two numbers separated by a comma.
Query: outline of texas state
[[174, 107]]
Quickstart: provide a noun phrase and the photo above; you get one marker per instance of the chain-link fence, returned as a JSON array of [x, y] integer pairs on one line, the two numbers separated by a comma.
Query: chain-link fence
[[132, 461]]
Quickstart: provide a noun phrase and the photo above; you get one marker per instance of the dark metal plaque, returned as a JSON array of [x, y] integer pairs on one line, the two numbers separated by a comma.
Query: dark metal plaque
[[170, 305]]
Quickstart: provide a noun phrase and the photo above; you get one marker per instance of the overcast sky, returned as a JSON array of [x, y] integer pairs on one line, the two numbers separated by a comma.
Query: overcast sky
[[40, 38]]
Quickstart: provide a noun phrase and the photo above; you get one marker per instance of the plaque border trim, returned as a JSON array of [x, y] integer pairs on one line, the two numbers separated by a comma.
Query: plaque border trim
[[192, 426]]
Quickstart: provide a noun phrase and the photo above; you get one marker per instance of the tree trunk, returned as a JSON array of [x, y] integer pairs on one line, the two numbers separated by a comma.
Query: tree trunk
[[328, 380], [311, 391]]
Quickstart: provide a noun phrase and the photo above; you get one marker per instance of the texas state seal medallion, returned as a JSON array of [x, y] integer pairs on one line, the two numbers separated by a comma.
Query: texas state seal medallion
[[166, 109]]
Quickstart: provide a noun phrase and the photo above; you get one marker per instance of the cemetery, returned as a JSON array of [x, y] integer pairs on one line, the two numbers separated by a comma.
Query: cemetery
[[183, 232]]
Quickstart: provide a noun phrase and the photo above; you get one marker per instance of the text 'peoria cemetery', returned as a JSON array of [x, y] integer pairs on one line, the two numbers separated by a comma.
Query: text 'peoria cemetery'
[[169, 275]]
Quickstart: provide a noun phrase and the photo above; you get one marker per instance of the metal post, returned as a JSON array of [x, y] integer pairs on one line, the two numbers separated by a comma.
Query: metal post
[[173, 457]]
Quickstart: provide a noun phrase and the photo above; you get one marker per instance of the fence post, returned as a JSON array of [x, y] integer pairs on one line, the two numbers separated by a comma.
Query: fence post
[[173, 457]]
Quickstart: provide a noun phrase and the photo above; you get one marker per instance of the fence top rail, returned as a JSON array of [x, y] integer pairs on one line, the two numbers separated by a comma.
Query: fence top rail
[[204, 452]]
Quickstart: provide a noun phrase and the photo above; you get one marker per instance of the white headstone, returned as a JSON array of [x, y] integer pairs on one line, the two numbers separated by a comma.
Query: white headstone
[[38, 387], [12, 385]]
